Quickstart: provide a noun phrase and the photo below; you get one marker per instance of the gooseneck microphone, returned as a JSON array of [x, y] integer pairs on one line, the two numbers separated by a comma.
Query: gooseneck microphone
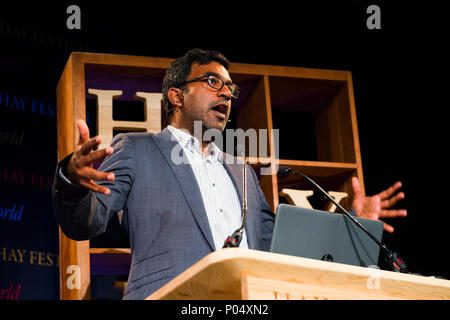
[[392, 258], [235, 239]]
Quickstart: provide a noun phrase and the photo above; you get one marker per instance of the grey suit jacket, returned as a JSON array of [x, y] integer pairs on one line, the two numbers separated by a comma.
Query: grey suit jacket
[[163, 212]]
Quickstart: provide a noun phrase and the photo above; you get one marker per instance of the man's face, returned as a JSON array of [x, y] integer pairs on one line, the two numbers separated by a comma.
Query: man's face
[[204, 103]]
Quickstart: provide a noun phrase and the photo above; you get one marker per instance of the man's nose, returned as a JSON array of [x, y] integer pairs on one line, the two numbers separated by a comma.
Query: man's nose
[[225, 92]]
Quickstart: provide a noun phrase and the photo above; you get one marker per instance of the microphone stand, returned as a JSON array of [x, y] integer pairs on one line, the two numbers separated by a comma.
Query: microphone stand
[[392, 258]]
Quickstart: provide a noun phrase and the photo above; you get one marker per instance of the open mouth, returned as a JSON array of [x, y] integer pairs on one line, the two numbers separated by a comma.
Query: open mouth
[[221, 110]]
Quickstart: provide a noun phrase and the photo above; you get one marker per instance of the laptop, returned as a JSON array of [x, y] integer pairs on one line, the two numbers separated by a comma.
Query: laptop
[[322, 235]]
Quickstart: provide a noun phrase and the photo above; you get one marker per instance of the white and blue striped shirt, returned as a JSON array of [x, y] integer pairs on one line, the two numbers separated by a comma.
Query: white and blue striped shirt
[[219, 194]]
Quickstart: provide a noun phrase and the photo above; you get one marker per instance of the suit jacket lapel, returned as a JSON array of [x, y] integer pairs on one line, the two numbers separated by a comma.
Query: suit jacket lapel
[[234, 169], [187, 181]]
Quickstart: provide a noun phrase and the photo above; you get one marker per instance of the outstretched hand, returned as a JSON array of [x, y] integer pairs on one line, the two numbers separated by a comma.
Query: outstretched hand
[[80, 167], [378, 206]]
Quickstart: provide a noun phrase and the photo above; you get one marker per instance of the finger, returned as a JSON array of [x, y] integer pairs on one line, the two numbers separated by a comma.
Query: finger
[[392, 201], [388, 227], [83, 129], [390, 191], [88, 173], [89, 145], [393, 213], [357, 193], [91, 185], [95, 156]]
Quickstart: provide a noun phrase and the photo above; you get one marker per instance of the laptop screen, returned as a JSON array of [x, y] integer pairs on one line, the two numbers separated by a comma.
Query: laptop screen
[[325, 235]]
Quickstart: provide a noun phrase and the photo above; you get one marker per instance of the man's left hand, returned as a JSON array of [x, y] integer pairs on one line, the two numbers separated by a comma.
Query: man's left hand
[[378, 206]]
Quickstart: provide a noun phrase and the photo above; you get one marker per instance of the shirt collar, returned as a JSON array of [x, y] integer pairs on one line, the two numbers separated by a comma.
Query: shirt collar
[[186, 140]]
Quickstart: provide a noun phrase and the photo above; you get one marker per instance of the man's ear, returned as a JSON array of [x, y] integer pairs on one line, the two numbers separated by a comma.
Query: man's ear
[[175, 96]]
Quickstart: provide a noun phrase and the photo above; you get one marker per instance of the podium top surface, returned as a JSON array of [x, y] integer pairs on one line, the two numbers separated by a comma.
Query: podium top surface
[[222, 274]]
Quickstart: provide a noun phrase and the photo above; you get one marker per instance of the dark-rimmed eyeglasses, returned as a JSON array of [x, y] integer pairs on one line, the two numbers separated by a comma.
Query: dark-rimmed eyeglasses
[[214, 81]]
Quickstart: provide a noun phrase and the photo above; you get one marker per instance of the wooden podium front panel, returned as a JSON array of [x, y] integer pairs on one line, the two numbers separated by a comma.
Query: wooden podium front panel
[[249, 274], [266, 289]]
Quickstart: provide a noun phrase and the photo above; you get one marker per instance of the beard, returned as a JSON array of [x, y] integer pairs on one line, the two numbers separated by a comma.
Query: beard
[[209, 117]]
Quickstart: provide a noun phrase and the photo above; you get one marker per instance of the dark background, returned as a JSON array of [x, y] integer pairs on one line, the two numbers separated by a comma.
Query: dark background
[[398, 76]]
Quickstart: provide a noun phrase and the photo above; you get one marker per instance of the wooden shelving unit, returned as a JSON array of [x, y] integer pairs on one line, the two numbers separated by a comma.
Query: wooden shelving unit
[[313, 109]]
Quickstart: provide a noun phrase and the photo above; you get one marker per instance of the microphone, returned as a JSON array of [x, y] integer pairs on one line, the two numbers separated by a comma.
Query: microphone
[[392, 258], [235, 239]]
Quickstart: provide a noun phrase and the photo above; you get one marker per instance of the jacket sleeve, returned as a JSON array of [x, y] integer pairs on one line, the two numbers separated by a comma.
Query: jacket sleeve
[[83, 214]]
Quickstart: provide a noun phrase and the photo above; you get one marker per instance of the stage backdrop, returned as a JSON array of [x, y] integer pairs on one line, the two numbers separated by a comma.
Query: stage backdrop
[[398, 101]]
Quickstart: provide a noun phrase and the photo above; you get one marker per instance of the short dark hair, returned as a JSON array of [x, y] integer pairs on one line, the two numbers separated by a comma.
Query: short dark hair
[[179, 70]]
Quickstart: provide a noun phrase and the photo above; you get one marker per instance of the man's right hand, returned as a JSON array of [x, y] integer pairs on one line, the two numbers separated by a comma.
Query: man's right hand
[[80, 167]]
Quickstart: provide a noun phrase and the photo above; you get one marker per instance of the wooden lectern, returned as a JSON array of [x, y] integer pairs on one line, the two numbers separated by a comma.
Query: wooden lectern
[[234, 274]]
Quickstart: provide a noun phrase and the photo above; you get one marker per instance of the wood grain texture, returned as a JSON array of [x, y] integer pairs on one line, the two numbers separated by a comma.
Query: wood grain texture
[[71, 106], [242, 273]]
